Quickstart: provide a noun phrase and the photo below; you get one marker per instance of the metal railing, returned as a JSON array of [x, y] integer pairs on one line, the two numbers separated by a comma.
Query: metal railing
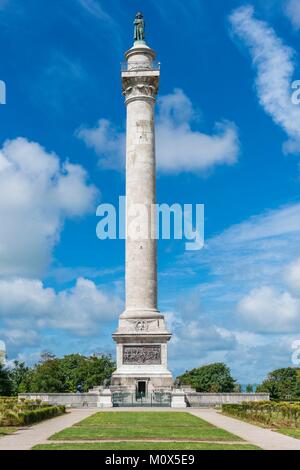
[[134, 66], [121, 399]]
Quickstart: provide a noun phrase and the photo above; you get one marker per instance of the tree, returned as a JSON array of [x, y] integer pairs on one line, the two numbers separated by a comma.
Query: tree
[[74, 369], [249, 388], [47, 356], [5, 382], [100, 368], [71, 373], [47, 377], [20, 377], [282, 384], [212, 378]]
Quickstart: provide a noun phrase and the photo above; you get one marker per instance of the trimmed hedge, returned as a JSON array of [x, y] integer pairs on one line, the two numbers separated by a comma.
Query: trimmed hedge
[[40, 414], [266, 412], [13, 413]]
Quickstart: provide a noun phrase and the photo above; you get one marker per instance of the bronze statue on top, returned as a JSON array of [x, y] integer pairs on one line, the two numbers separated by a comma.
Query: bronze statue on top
[[139, 27]]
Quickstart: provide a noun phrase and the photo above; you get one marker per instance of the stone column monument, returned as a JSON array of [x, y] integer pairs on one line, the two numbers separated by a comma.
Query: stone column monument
[[141, 336]]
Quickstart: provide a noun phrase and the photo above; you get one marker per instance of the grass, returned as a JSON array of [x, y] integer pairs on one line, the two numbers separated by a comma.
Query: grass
[[292, 432], [146, 446], [5, 430], [288, 431], [148, 425]]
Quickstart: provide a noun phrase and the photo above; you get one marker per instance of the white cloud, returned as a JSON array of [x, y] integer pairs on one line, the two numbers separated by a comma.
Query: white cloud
[[199, 339], [260, 253], [179, 147], [270, 224], [274, 64], [292, 10], [26, 305], [292, 276], [94, 8], [257, 354], [107, 141], [37, 194], [268, 311], [248, 289], [20, 337], [110, 31], [249, 254], [196, 338], [258, 259], [261, 333]]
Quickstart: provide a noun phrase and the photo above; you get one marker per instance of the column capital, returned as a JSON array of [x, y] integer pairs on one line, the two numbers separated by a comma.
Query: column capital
[[140, 74], [138, 86]]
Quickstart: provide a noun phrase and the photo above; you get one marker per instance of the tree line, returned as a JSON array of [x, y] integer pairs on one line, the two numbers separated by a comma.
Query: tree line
[[76, 373], [70, 374], [282, 384]]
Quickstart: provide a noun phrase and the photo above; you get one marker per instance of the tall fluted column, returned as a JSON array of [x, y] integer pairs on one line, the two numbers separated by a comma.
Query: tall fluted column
[[140, 86]]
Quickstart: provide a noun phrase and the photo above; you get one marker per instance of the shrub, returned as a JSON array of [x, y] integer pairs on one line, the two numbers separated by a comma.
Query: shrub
[[266, 412], [40, 414], [14, 413]]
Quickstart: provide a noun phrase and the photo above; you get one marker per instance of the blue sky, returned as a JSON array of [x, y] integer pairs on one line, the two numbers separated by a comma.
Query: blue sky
[[228, 136]]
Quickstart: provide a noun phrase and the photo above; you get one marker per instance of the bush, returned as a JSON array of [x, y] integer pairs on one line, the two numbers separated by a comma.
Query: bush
[[9, 418], [14, 413], [266, 412], [40, 414]]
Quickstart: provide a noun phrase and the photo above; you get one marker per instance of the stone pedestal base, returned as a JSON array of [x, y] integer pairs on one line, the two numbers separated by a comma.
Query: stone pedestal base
[[178, 399], [105, 399], [142, 365]]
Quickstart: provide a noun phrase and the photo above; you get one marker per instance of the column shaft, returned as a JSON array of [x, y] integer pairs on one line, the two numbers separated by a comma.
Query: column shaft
[[141, 258]]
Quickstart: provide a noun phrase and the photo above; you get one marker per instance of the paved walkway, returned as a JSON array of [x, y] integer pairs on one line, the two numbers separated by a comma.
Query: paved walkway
[[263, 438], [26, 438]]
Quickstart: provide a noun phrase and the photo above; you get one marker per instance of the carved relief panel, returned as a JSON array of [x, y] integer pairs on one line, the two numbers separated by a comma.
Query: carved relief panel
[[142, 355]]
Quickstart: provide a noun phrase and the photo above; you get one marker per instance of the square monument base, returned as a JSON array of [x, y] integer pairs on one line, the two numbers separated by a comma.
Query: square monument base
[[142, 364]]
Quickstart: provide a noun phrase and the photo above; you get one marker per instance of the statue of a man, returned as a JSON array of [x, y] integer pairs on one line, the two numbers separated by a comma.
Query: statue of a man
[[139, 27]]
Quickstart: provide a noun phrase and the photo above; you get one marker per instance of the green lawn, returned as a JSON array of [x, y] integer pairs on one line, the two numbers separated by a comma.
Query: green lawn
[[146, 446], [148, 425], [4, 431], [292, 432]]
